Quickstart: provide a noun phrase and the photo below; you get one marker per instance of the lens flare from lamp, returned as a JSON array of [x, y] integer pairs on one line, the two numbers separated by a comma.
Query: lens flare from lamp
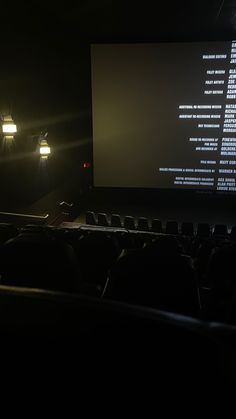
[[9, 137]]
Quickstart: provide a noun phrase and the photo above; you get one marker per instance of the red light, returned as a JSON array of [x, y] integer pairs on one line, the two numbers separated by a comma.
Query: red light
[[86, 165]]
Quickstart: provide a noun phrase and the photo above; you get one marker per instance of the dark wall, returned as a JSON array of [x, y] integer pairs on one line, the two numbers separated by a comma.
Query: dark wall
[[45, 86]]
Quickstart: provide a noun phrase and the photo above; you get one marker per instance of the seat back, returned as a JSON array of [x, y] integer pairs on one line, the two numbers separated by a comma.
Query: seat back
[[129, 222], [39, 261], [220, 230], [103, 219], [203, 230], [187, 229], [156, 225], [116, 220], [90, 218], [172, 227], [142, 224]]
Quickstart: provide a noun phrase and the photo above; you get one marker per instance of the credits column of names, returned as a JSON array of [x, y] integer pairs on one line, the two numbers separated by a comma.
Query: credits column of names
[[215, 124]]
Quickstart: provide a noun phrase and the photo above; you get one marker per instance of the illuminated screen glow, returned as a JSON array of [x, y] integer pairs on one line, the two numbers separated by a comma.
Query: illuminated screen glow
[[164, 115]]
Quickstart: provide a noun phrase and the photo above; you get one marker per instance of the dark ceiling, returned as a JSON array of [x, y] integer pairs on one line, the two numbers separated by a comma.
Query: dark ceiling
[[107, 20], [45, 45], [49, 29], [45, 31]]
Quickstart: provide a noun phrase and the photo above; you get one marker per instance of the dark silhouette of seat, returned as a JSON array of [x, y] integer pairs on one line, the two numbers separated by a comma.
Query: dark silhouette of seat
[[125, 239], [156, 225], [221, 277], [202, 252], [90, 218], [84, 334], [142, 224], [103, 219], [7, 231], [158, 276], [233, 233], [203, 230], [220, 230], [39, 261], [116, 220], [129, 222], [187, 229], [67, 208], [172, 227], [96, 252]]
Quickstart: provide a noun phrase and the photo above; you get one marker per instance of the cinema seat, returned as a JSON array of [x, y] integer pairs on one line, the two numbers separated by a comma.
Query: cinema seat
[[187, 229], [129, 222], [203, 230], [156, 226], [103, 219], [220, 230], [172, 227], [39, 261], [116, 220], [157, 275], [90, 218], [86, 334], [96, 252], [233, 233], [7, 231], [142, 224]]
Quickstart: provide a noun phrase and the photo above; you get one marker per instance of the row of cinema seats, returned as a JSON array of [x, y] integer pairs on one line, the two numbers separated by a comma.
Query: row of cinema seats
[[186, 275], [155, 225], [118, 304], [76, 336]]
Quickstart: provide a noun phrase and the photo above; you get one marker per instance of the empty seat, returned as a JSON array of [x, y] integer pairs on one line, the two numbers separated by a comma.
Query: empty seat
[[116, 220], [129, 222], [158, 275], [233, 233], [220, 230], [90, 218], [96, 252], [125, 239], [176, 349], [103, 219], [187, 229], [203, 230], [7, 231], [221, 279], [39, 261], [172, 227], [156, 225], [143, 224]]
